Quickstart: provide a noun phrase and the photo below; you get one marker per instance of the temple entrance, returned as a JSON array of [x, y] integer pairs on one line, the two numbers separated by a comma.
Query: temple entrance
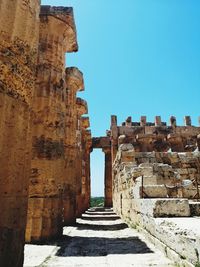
[[97, 174], [103, 144]]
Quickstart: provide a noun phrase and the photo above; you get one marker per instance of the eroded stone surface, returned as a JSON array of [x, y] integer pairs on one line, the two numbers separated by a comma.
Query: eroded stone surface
[[18, 55], [47, 181], [60, 166]]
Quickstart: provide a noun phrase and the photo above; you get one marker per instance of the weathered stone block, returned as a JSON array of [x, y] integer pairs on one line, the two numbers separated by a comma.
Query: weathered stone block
[[163, 207], [155, 191]]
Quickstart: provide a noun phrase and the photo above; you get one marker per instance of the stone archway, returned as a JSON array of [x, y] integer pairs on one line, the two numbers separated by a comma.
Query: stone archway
[[104, 143]]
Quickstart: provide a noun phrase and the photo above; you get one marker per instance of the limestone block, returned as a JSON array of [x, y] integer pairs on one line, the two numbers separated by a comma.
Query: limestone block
[[189, 192], [126, 147], [159, 167], [135, 191], [150, 180], [178, 234], [127, 156], [155, 191], [163, 207], [46, 178], [147, 171]]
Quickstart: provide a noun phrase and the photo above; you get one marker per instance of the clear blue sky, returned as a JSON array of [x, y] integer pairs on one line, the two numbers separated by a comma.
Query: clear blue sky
[[139, 57]]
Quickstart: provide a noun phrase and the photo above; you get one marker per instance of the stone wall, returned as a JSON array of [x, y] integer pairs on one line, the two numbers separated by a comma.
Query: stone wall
[[153, 160], [148, 186], [158, 136], [155, 175], [18, 55]]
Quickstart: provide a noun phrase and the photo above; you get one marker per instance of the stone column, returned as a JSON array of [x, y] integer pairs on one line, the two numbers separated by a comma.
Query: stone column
[[114, 137], [88, 168], [82, 109], [45, 212], [108, 177], [86, 147], [75, 83], [173, 121], [188, 121], [143, 121], [158, 121], [18, 55]]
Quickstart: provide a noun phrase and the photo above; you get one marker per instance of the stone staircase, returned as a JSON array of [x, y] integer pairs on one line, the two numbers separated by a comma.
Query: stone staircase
[[100, 214], [99, 238]]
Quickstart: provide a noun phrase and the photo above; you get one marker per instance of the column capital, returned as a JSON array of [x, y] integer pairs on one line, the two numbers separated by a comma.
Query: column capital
[[85, 122], [82, 107], [74, 79], [61, 23]]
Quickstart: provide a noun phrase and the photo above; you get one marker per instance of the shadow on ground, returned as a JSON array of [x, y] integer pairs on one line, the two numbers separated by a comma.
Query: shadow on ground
[[81, 246]]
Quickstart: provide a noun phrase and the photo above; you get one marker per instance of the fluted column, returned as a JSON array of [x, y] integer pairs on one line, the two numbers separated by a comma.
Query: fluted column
[[57, 36], [74, 83], [82, 109], [18, 54], [86, 147]]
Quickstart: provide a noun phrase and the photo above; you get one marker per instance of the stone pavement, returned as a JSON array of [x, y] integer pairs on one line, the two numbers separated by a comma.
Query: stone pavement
[[99, 238]]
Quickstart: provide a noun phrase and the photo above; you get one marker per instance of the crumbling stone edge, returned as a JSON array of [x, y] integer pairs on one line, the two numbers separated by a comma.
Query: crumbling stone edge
[[167, 251]]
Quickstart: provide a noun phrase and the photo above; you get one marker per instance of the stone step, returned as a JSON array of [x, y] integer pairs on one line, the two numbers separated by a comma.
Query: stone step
[[100, 213], [100, 217], [100, 209]]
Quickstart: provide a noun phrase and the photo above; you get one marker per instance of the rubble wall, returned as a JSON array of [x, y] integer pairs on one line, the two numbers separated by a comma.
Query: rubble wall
[[148, 186]]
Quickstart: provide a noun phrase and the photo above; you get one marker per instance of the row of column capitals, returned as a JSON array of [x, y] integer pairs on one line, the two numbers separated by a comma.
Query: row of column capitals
[[157, 122]]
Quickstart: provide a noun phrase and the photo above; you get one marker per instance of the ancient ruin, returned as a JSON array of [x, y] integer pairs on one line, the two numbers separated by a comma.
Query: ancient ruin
[[152, 170], [45, 141], [156, 177]]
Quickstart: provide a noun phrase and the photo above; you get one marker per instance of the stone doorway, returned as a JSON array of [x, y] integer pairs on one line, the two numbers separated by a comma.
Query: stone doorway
[[97, 166], [104, 144]]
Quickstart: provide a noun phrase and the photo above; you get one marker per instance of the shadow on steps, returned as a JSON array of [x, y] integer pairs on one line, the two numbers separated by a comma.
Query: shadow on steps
[[95, 227], [100, 218]]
